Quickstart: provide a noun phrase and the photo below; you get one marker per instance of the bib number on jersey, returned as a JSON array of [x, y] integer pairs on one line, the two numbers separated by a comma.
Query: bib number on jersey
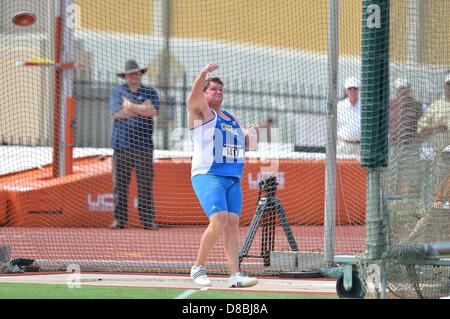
[[233, 152]]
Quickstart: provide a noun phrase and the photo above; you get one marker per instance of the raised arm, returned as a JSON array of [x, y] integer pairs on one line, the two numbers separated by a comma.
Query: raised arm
[[196, 102]]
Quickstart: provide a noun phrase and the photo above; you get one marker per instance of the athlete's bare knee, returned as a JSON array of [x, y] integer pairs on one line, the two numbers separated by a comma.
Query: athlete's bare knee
[[232, 224], [219, 220]]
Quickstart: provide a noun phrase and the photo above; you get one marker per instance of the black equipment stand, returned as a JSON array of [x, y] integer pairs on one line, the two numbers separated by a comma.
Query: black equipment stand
[[268, 207]]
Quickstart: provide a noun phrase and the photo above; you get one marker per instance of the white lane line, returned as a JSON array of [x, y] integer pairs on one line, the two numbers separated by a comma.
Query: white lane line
[[185, 294]]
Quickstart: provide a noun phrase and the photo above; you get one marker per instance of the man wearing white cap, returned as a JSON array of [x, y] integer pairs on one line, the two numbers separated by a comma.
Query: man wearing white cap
[[435, 122], [349, 119]]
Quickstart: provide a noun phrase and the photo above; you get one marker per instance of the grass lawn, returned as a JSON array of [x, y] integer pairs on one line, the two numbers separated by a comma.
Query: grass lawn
[[53, 291]]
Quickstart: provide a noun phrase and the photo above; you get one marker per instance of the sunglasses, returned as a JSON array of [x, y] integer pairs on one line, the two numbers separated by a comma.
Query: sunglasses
[[353, 88]]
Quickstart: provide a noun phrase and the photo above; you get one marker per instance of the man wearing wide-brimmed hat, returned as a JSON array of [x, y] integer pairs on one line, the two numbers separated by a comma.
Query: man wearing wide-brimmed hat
[[131, 67], [133, 107]]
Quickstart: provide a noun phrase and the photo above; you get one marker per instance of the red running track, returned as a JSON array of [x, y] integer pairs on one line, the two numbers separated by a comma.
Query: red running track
[[168, 244]]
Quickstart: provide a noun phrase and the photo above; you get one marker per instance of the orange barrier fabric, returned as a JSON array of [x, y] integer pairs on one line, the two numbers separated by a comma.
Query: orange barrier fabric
[[3, 207], [84, 198]]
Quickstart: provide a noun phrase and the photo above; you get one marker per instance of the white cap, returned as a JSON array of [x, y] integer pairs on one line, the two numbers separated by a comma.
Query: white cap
[[399, 83], [351, 82], [447, 78]]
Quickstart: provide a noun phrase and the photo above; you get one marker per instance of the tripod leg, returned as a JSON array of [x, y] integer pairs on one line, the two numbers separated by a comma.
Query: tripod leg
[[287, 229], [272, 219], [252, 230], [268, 234], [271, 216], [264, 247]]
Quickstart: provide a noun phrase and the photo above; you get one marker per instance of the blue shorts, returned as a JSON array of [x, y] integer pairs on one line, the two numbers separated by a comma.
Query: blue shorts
[[218, 193]]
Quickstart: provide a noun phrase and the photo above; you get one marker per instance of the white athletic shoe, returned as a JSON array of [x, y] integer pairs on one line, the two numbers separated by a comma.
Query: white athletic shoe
[[239, 280], [198, 274]]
